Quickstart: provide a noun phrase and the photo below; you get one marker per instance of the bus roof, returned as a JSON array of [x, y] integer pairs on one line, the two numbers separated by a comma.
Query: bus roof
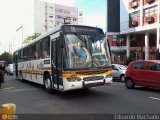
[[58, 28]]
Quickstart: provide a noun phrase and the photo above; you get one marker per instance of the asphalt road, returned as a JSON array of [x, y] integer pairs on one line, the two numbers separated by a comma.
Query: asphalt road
[[32, 99]]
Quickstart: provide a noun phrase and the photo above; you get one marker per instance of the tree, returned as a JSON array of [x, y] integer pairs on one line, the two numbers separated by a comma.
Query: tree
[[7, 57], [31, 37]]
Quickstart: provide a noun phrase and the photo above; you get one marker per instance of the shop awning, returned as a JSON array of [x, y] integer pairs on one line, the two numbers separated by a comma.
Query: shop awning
[[118, 49]]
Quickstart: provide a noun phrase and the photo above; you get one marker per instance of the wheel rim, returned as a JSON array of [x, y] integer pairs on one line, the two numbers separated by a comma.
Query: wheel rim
[[129, 83], [47, 83], [122, 78]]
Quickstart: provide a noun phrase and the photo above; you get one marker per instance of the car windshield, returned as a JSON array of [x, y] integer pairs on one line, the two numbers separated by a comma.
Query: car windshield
[[86, 51], [122, 67]]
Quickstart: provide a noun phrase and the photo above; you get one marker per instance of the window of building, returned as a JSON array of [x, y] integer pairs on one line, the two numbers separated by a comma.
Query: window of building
[[115, 37], [73, 13], [81, 14], [51, 15], [134, 16], [74, 19], [67, 12], [138, 65], [59, 10], [50, 9], [150, 11], [59, 17], [51, 23]]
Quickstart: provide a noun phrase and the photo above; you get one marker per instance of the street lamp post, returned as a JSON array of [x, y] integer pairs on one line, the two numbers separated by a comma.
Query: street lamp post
[[20, 28]]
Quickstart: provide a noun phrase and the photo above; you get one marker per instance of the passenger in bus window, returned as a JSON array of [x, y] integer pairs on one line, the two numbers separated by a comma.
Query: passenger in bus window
[[45, 54], [35, 55]]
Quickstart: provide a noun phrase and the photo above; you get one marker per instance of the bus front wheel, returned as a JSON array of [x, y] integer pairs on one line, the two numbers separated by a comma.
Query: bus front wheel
[[48, 84]]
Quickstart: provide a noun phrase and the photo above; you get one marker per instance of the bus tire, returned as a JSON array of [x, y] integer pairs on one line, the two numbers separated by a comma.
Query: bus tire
[[48, 84]]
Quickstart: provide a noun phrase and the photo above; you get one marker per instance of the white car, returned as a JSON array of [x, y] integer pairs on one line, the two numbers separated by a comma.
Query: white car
[[9, 69], [118, 71]]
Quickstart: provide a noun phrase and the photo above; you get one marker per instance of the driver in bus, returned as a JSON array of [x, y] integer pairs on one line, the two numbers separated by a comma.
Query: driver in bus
[[82, 53]]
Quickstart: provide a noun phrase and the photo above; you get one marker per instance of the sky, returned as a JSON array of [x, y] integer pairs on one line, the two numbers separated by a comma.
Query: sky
[[11, 12]]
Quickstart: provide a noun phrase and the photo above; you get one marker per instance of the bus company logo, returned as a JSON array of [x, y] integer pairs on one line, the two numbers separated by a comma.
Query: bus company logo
[[4, 117]]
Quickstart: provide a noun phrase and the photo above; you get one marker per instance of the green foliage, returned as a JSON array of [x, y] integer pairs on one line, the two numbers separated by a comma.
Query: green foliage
[[7, 57], [131, 58], [30, 38]]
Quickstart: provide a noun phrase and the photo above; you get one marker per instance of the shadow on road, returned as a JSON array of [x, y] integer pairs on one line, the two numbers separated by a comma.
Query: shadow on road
[[147, 89], [81, 93], [84, 93]]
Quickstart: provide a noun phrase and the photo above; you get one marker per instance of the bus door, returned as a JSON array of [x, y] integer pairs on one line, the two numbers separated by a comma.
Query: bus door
[[56, 64], [16, 64]]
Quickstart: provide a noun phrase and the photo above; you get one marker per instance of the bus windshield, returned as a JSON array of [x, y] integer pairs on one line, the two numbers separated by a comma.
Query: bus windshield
[[86, 51]]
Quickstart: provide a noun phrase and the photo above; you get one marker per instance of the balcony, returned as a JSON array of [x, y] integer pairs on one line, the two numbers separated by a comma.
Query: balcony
[[134, 4], [134, 23], [150, 19], [145, 2], [150, 1]]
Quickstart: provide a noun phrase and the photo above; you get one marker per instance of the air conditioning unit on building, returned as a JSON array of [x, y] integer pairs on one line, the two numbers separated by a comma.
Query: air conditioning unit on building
[[134, 23], [150, 1], [134, 4], [149, 19]]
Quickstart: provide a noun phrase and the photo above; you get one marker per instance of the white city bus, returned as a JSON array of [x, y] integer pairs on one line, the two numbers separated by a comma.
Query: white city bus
[[66, 58]]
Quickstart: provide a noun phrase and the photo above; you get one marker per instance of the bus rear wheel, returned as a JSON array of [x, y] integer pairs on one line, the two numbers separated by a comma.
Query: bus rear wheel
[[48, 84]]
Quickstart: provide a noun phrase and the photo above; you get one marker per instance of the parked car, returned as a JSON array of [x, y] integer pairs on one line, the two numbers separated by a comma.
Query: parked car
[[118, 71], [9, 69], [143, 73]]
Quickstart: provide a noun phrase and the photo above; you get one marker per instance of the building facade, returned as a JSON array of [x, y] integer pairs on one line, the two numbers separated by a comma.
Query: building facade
[[137, 35], [40, 17]]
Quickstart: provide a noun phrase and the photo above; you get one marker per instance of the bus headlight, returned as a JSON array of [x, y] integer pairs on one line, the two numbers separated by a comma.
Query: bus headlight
[[109, 76], [74, 79]]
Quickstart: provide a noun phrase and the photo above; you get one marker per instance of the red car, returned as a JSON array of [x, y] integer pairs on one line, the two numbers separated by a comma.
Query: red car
[[143, 73]]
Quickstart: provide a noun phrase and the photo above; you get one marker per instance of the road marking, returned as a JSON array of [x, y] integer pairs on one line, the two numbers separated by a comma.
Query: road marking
[[154, 98], [6, 88]]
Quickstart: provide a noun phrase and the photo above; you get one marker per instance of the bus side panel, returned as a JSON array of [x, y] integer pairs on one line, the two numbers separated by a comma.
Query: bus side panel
[[33, 70]]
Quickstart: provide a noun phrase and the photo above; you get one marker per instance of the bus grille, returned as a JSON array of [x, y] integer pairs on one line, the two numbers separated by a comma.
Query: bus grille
[[93, 78]]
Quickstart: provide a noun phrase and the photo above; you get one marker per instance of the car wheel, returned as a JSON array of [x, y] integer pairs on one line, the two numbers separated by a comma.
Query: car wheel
[[129, 83], [48, 84], [122, 77]]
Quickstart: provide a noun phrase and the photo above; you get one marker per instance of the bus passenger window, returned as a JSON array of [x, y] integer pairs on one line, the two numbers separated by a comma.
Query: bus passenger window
[[38, 50], [45, 48], [45, 54]]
